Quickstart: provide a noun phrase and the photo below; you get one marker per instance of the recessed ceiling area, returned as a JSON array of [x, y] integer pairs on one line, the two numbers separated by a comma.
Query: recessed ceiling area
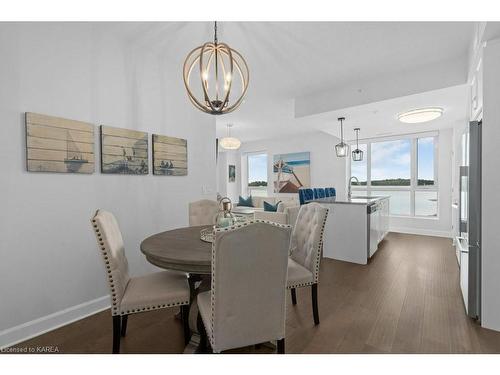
[[294, 62], [380, 119], [303, 74]]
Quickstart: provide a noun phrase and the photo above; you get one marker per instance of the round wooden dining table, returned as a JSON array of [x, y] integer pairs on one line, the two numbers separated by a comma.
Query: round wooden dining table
[[183, 250], [179, 249]]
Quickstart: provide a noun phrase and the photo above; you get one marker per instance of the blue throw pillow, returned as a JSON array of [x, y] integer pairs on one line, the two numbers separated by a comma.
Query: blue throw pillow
[[271, 207], [245, 202]]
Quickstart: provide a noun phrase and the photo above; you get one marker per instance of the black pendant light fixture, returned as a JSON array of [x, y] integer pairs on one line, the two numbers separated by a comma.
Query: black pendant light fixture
[[342, 148], [357, 154]]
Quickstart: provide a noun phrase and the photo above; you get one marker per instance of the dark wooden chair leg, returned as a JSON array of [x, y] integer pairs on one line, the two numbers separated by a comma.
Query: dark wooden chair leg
[[185, 323], [281, 346], [116, 333], [202, 348], [294, 296], [124, 325], [314, 294]]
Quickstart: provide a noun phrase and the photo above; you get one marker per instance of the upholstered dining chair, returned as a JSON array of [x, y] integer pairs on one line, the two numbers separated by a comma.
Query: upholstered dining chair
[[131, 295], [305, 252], [202, 212], [246, 304]]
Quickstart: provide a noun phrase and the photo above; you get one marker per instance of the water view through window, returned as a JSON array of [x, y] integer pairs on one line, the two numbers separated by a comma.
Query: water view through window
[[359, 168], [388, 170], [391, 163], [257, 174]]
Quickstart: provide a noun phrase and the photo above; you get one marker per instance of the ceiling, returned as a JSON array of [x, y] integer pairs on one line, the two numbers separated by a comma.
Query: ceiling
[[290, 60], [379, 119]]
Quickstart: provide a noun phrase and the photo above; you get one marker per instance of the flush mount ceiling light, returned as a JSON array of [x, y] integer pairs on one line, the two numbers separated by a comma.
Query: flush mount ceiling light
[[230, 143], [357, 154], [342, 148], [216, 77], [416, 116]]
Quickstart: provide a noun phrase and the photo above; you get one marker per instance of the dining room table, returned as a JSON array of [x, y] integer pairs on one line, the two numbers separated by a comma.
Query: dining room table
[[184, 250]]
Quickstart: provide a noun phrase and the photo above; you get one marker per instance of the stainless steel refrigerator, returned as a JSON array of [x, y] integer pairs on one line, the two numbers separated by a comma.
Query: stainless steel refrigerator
[[469, 241]]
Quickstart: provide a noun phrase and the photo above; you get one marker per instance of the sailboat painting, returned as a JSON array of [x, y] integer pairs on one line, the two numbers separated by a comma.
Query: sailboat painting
[[169, 156], [124, 151], [55, 144], [291, 172]]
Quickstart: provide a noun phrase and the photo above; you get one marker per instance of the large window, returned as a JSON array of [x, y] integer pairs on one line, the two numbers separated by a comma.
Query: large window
[[257, 174], [358, 169], [404, 169], [391, 163]]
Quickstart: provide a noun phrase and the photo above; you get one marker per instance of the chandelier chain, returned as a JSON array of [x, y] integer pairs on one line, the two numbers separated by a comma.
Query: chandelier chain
[[215, 33]]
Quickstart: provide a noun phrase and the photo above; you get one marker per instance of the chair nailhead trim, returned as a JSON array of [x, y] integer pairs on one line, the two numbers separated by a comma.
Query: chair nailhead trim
[[104, 253], [150, 308], [114, 297]]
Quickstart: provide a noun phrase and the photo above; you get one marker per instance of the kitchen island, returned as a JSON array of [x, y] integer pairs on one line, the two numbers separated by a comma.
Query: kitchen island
[[355, 226]]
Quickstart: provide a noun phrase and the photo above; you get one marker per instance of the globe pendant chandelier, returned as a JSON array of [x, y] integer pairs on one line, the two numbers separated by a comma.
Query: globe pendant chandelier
[[216, 77], [342, 148], [357, 154], [228, 142]]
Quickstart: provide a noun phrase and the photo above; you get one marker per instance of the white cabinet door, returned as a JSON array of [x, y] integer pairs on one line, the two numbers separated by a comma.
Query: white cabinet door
[[464, 277], [384, 214]]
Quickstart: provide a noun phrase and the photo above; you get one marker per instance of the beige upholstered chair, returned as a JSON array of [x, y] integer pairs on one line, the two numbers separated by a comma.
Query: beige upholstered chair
[[275, 217], [246, 305], [305, 252], [202, 212], [138, 294]]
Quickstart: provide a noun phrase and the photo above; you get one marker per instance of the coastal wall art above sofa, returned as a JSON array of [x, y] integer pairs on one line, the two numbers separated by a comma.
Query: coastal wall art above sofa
[[291, 172]]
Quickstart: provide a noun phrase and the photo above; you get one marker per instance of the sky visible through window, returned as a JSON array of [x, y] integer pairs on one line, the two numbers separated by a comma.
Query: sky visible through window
[[391, 161], [358, 168], [257, 168], [425, 159]]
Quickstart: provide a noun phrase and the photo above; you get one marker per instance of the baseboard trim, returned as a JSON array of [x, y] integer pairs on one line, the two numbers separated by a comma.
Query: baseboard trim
[[422, 232], [28, 330]]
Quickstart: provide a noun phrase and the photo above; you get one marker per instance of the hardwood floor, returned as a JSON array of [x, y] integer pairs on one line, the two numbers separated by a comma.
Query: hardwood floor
[[406, 300]]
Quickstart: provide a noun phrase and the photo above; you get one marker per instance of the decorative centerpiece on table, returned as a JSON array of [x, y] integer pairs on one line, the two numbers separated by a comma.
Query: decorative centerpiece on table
[[224, 218]]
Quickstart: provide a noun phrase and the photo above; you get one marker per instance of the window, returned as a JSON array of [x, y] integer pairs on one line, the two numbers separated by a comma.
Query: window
[[404, 169], [257, 174], [391, 163], [426, 203], [425, 161], [399, 202], [358, 168]]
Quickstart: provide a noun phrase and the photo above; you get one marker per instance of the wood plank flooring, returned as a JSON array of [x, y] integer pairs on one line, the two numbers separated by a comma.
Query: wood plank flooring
[[406, 300]]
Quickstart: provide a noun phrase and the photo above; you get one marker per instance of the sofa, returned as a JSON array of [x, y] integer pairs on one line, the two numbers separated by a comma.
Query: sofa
[[283, 215]]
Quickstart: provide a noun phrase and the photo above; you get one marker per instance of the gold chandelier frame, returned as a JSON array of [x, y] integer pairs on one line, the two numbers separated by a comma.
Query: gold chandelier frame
[[210, 56]]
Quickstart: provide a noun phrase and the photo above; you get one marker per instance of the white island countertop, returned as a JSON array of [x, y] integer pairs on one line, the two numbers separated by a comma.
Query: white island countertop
[[353, 200]]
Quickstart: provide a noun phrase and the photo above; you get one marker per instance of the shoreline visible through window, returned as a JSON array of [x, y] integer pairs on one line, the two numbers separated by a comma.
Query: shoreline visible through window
[[257, 174], [389, 169]]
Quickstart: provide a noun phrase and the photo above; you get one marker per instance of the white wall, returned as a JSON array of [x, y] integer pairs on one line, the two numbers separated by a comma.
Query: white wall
[[326, 169], [49, 259], [490, 187], [224, 187]]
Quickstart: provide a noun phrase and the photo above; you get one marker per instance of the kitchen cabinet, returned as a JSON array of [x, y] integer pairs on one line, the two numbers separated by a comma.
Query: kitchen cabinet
[[354, 227]]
